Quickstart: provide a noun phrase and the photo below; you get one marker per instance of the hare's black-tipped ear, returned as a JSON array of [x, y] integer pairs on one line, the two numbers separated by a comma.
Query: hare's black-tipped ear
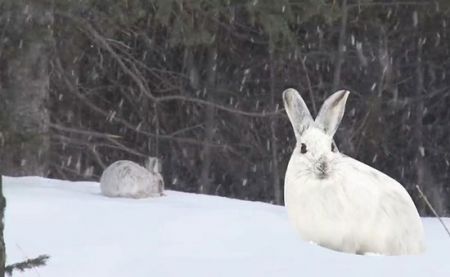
[[297, 111], [332, 111]]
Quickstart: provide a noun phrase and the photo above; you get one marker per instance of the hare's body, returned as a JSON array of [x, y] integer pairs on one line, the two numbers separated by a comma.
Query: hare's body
[[343, 204], [128, 179], [353, 213]]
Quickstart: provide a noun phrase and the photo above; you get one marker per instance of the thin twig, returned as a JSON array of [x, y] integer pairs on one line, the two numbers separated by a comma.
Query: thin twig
[[384, 4], [424, 197], [218, 106], [83, 131], [125, 148], [87, 144]]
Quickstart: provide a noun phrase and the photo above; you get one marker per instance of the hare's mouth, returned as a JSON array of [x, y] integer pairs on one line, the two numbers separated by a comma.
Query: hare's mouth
[[322, 175]]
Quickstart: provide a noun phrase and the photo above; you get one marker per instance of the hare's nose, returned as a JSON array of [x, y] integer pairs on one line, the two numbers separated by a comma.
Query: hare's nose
[[322, 165]]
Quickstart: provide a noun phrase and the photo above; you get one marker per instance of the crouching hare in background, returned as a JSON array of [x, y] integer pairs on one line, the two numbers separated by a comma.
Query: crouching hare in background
[[128, 179], [338, 202]]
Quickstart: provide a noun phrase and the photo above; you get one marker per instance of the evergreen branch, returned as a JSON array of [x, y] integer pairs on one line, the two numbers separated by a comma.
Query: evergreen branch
[[27, 264]]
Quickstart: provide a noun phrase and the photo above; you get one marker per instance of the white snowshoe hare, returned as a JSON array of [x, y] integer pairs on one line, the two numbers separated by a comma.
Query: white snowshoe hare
[[338, 202], [128, 179]]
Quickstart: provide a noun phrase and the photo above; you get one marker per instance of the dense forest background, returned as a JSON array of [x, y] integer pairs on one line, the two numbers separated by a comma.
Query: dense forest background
[[198, 84]]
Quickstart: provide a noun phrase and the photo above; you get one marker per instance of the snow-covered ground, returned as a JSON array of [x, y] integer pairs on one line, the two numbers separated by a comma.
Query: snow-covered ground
[[181, 234]]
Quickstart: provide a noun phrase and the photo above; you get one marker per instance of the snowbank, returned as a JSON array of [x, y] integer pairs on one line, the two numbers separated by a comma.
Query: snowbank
[[181, 234]]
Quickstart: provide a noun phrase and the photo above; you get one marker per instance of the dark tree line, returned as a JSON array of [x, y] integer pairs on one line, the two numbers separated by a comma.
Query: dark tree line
[[198, 83]]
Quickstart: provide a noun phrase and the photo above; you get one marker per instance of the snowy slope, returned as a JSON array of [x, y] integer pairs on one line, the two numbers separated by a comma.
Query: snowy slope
[[87, 234]]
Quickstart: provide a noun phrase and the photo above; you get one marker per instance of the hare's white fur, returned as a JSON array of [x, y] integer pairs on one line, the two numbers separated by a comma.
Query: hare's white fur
[[128, 179], [337, 201]]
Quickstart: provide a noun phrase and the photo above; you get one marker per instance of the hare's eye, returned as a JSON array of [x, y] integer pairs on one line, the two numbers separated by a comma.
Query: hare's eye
[[303, 148], [333, 148]]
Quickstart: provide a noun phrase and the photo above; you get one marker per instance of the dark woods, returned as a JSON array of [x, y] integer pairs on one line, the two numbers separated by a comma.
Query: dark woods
[[198, 83]]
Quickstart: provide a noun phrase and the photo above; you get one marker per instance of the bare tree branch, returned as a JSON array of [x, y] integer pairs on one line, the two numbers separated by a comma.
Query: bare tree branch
[[139, 80]]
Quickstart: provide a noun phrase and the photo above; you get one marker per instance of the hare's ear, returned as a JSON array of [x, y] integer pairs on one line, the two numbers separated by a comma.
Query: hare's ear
[[297, 111], [150, 164], [332, 111]]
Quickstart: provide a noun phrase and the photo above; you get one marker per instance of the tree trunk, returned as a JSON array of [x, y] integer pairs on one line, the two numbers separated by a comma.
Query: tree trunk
[[418, 135], [2, 240], [278, 198], [424, 178], [341, 48], [205, 178], [24, 86]]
